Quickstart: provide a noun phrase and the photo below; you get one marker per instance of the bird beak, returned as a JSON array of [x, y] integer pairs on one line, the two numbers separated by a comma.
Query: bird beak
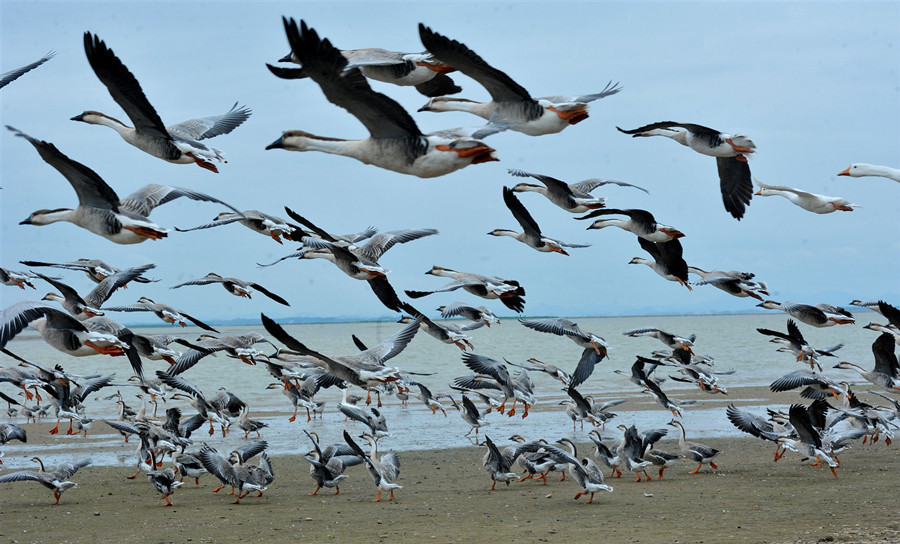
[[277, 144], [845, 172], [287, 58], [425, 108], [26, 222], [79, 117]]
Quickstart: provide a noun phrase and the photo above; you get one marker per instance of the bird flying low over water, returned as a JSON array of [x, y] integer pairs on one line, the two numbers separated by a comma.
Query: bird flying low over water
[[100, 210], [730, 151], [234, 286], [95, 269], [818, 315], [509, 292], [510, 102], [177, 144], [395, 141]]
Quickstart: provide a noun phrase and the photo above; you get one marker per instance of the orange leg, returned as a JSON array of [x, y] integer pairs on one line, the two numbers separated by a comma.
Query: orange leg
[[661, 469], [379, 497], [715, 466], [698, 469]]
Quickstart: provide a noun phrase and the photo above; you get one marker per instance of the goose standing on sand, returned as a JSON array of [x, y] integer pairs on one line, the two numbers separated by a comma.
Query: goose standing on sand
[[730, 151], [808, 440], [234, 286], [886, 373], [395, 142], [56, 480], [667, 260], [810, 202], [572, 197], [99, 208], [509, 292], [177, 144], [819, 315], [420, 70], [585, 472], [499, 465], [8, 77], [510, 102], [699, 453], [639, 222], [384, 471], [860, 169], [165, 482], [531, 235]]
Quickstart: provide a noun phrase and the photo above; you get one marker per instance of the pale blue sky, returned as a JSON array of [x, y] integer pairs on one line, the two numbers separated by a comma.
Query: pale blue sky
[[816, 86]]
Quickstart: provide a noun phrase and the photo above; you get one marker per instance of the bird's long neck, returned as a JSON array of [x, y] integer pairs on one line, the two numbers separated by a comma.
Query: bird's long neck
[[482, 109], [885, 171], [53, 216], [680, 136]]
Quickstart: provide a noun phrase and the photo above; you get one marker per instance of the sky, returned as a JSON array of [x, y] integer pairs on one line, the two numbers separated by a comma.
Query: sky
[[815, 86]]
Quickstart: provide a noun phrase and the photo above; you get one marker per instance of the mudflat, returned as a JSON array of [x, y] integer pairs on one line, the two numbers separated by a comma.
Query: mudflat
[[749, 498]]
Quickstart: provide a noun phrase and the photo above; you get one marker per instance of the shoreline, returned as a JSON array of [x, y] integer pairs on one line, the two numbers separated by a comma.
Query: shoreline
[[444, 499]]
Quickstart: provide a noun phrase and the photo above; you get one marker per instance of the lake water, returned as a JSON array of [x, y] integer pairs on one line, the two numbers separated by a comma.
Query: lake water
[[732, 340]]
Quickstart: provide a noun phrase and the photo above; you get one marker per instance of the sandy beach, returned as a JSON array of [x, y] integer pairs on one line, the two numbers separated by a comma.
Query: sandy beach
[[444, 498]]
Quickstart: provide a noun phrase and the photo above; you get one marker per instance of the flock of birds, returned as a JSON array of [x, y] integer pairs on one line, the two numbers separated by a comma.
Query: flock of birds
[[82, 328]]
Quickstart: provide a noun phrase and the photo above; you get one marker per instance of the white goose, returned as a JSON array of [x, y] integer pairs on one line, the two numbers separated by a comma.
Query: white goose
[[99, 208], [860, 169], [395, 141], [808, 201], [177, 144], [510, 102]]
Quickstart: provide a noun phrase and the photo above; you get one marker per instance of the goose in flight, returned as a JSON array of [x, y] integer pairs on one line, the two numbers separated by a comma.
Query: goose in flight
[[572, 197], [420, 70], [565, 327], [667, 260], [531, 232], [395, 142], [56, 480], [478, 314], [639, 222], [672, 341], [95, 269], [819, 315], [510, 102], [509, 292], [18, 279], [179, 144], [162, 311], [730, 151], [257, 221], [810, 202], [734, 283], [234, 286], [8, 77], [84, 308], [886, 373], [99, 208], [860, 169]]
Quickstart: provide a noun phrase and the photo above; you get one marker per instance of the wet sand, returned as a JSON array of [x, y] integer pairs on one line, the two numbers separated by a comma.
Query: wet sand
[[749, 498]]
